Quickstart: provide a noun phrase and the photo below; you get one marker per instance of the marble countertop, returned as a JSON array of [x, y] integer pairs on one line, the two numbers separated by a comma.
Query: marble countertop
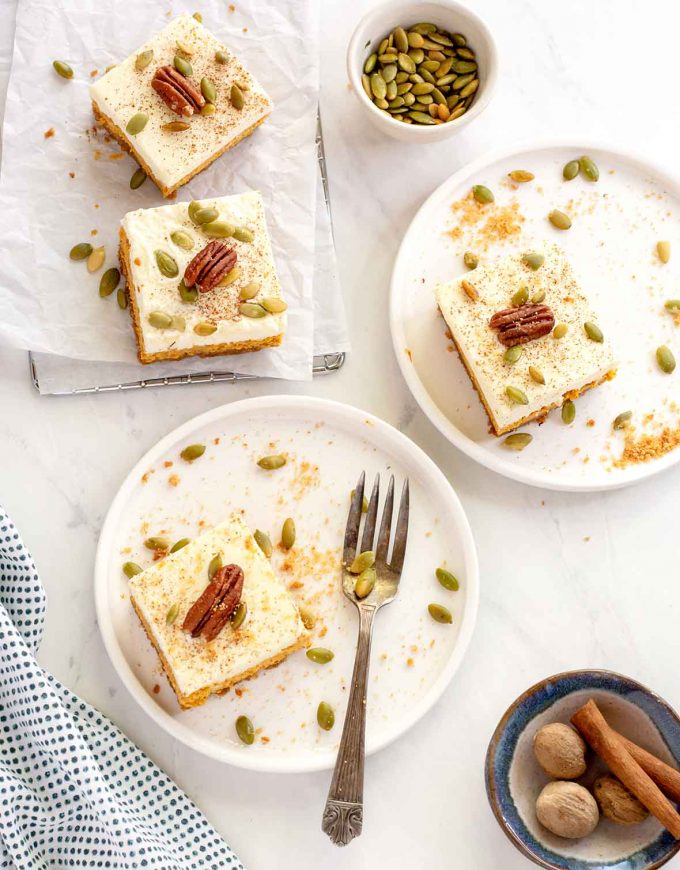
[[567, 581]]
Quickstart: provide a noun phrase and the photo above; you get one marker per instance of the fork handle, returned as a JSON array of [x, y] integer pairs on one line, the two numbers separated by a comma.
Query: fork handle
[[343, 814]]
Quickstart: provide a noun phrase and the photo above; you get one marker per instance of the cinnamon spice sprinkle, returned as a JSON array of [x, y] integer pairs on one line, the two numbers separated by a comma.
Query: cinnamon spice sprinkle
[[648, 447]]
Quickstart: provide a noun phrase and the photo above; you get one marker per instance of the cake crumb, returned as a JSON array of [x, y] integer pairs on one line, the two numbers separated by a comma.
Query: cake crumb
[[174, 480], [409, 662], [168, 463], [156, 689], [648, 447], [48, 134], [147, 474]]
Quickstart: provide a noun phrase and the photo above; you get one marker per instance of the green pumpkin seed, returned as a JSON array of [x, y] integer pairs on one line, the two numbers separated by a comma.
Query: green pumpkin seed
[[238, 617], [672, 305], [568, 412], [252, 309], [518, 440], [538, 297], [391, 91], [217, 229], [96, 259], [182, 240], [193, 451], [109, 281], [263, 541], [288, 533], [62, 69], [208, 89], [482, 194], [622, 420], [536, 375], [245, 730], [406, 63], [517, 396], [203, 214], [182, 66], [208, 109], [424, 28], [160, 320], [138, 178], [271, 463], [422, 88], [362, 562], [157, 543], [366, 84], [175, 127], [122, 298], [205, 327], [560, 330], [459, 82], [447, 580], [440, 613], [243, 234], [307, 617], [458, 39], [364, 502], [456, 113], [464, 66], [137, 123], [363, 586], [214, 565], [389, 73], [249, 291], [593, 331], [180, 545], [187, 294], [172, 614], [520, 296], [570, 170], [430, 66], [143, 59], [665, 359], [131, 568], [470, 89], [421, 117], [382, 104], [533, 260], [378, 86], [320, 656], [222, 57], [325, 716], [559, 219], [521, 176], [588, 168], [81, 251], [663, 250], [274, 305], [512, 354], [237, 98], [371, 61], [471, 260], [415, 40], [400, 39], [441, 38], [166, 264]]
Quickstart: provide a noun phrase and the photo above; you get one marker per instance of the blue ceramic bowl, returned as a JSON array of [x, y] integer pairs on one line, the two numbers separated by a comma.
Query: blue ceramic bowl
[[514, 778]]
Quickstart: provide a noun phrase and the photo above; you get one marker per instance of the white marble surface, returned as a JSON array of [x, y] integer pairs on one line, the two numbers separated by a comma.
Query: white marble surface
[[567, 581]]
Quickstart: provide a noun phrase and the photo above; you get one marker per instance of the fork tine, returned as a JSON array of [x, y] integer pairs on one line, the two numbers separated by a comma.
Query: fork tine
[[353, 522], [399, 548], [371, 516], [385, 525]]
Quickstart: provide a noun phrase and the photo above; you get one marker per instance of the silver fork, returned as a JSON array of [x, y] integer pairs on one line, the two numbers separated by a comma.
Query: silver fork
[[344, 810]]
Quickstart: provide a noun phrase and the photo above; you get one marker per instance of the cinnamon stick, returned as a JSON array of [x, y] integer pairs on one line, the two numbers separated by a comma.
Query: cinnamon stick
[[665, 776], [611, 749]]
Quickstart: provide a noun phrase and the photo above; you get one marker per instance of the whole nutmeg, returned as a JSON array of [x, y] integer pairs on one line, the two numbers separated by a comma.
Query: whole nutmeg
[[560, 751], [567, 809], [616, 803]]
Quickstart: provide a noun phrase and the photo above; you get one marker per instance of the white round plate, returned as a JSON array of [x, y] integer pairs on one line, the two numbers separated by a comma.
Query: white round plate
[[328, 445], [616, 225]]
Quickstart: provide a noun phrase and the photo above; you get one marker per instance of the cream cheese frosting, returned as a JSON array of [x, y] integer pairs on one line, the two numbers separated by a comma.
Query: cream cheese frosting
[[272, 623], [149, 230], [567, 364], [124, 91]]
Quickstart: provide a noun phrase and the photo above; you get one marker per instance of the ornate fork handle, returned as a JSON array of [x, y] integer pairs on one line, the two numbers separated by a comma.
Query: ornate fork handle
[[343, 814]]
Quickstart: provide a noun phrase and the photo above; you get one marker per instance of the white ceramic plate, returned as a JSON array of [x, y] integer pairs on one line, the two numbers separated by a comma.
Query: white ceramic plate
[[329, 444], [616, 224]]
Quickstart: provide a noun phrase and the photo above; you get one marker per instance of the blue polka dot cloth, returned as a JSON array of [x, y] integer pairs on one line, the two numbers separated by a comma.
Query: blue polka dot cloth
[[74, 791]]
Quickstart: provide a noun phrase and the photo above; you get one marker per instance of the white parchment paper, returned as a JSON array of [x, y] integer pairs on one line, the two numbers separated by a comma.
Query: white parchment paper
[[55, 191]]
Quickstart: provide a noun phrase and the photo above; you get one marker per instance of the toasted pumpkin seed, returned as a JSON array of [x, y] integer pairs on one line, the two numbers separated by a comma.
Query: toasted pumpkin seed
[[421, 117], [570, 170], [166, 264], [175, 126], [371, 61], [182, 240], [109, 281], [518, 440], [400, 39], [245, 730], [180, 545], [672, 305], [307, 617], [469, 89], [263, 541], [538, 297], [182, 65], [208, 109], [187, 294], [517, 396], [205, 327], [217, 229], [252, 309], [214, 565], [137, 123], [389, 73], [362, 562], [471, 260], [208, 89], [325, 716], [519, 297], [482, 194], [96, 259], [320, 656], [560, 330], [274, 305], [243, 234], [447, 580], [62, 69], [288, 533], [536, 375], [237, 99], [80, 251], [221, 57], [512, 354], [238, 617], [663, 250], [521, 176], [622, 420], [363, 585], [203, 214], [172, 614], [533, 260], [559, 219], [665, 359], [273, 462], [131, 568], [143, 59], [593, 331], [157, 543], [568, 412], [122, 298], [470, 290], [364, 502], [250, 291], [588, 168], [138, 178], [440, 613], [160, 320], [193, 451]]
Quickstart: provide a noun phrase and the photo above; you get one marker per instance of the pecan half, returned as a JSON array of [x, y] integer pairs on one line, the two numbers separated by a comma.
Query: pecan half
[[177, 92], [210, 265], [522, 324], [210, 613]]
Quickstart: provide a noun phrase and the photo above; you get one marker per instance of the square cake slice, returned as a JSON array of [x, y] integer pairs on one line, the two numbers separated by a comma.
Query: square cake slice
[[165, 593], [166, 86], [177, 308], [528, 337]]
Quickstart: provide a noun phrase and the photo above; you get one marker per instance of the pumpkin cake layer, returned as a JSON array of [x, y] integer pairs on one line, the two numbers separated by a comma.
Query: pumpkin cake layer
[[271, 631]]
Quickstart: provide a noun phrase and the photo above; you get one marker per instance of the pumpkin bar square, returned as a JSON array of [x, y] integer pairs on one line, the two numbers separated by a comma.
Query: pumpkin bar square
[[198, 665], [175, 311], [502, 317], [157, 101]]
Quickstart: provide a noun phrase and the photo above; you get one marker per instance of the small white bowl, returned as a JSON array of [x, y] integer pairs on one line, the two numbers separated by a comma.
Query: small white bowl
[[446, 14]]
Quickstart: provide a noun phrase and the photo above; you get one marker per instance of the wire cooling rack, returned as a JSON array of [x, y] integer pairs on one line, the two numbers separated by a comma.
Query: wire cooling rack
[[323, 363]]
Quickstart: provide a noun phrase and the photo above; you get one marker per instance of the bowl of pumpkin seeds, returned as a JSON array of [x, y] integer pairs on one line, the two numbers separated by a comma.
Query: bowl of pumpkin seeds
[[422, 70]]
